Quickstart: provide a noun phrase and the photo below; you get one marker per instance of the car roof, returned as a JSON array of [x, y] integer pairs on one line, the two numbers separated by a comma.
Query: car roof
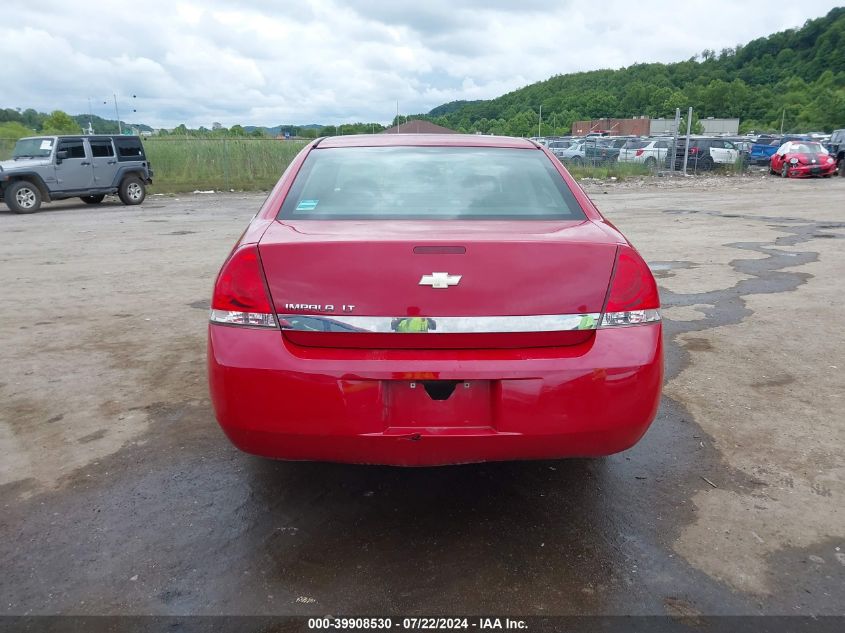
[[425, 140]]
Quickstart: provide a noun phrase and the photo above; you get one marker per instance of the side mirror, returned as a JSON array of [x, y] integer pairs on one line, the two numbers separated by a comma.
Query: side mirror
[[60, 156]]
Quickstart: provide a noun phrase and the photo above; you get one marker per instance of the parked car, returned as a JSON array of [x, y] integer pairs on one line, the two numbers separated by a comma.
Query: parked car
[[649, 152], [393, 236], [705, 153], [836, 148], [46, 168], [559, 145], [744, 149], [762, 151], [573, 154], [801, 159], [603, 150]]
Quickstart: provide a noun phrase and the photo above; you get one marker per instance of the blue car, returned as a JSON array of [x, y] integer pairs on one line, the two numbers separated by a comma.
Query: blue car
[[762, 151]]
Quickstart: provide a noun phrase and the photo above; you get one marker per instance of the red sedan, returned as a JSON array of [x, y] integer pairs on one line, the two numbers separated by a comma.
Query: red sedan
[[425, 300], [801, 159]]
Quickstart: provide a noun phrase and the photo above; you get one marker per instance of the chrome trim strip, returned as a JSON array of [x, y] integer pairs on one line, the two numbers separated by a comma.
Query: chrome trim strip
[[439, 324]]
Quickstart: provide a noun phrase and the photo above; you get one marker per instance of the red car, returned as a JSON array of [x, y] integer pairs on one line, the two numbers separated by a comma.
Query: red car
[[420, 300], [800, 159]]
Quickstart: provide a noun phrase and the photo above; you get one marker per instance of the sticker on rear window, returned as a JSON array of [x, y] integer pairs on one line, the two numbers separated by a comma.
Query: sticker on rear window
[[307, 205]]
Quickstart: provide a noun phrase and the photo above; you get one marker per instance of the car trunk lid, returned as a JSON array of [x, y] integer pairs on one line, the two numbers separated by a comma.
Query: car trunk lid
[[322, 272]]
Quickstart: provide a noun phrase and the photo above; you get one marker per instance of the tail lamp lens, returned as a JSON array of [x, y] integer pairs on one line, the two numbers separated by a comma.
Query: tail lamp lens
[[239, 294], [633, 297]]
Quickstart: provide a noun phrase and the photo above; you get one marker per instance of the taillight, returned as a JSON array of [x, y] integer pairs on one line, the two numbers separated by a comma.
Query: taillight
[[633, 297], [640, 152], [239, 294], [693, 150]]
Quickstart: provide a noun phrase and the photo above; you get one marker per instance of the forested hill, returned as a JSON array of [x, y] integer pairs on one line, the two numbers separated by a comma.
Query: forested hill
[[801, 71]]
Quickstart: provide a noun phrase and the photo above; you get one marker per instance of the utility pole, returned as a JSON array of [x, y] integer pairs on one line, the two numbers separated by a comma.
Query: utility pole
[[689, 129], [782, 117], [397, 116], [540, 121], [675, 137], [117, 114]]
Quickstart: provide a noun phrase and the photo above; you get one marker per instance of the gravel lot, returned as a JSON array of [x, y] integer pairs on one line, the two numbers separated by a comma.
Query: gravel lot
[[120, 495]]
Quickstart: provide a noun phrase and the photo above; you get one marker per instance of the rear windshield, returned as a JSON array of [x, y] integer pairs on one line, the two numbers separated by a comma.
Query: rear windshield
[[636, 144], [806, 148], [368, 183]]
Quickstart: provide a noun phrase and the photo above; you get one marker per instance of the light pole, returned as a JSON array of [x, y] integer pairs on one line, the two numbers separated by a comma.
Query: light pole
[[540, 121], [117, 112]]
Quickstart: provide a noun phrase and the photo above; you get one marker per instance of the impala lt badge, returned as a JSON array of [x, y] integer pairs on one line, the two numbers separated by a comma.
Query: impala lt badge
[[440, 280]]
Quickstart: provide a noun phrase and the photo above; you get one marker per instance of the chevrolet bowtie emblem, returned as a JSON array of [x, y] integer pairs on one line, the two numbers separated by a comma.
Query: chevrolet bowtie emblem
[[440, 280]]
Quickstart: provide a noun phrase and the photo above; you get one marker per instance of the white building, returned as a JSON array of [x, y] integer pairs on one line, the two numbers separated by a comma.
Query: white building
[[720, 126], [712, 126]]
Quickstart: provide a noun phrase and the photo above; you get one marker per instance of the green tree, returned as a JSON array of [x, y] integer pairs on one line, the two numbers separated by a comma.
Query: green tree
[[60, 123], [32, 119], [695, 128], [9, 114]]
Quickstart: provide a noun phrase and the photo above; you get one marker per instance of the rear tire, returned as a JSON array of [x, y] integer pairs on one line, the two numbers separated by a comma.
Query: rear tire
[[93, 199], [576, 160], [132, 191], [784, 172], [707, 163], [650, 162], [22, 197]]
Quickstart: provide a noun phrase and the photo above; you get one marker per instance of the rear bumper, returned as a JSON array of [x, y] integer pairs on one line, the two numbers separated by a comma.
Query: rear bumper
[[279, 400]]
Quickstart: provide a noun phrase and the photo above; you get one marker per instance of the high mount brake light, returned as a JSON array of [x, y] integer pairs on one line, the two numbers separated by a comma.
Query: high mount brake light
[[633, 297], [239, 294]]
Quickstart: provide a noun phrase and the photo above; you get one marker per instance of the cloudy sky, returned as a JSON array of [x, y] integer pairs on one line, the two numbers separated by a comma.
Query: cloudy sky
[[330, 61]]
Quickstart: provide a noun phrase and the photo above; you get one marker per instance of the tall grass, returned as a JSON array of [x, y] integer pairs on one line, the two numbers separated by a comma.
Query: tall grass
[[617, 170], [186, 164]]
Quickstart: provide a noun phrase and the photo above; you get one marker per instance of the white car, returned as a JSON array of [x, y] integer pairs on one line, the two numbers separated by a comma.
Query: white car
[[649, 152], [574, 153]]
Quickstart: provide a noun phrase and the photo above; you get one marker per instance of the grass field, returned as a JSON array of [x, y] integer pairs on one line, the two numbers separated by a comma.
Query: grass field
[[620, 171], [241, 164]]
